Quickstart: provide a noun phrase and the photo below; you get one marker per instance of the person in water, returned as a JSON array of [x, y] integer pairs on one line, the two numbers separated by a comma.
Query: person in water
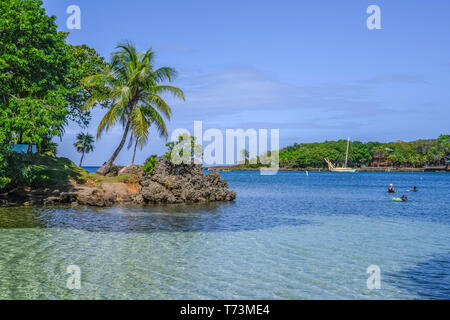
[[404, 198], [415, 189], [391, 189]]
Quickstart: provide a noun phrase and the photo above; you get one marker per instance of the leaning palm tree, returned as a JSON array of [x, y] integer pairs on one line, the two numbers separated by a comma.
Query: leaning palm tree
[[131, 86], [84, 144], [141, 118]]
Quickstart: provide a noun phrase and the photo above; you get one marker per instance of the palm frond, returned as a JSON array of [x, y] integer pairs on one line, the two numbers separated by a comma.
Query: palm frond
[[163, 88], [133, 88], [158, 103], [165, 74], [156, 118]]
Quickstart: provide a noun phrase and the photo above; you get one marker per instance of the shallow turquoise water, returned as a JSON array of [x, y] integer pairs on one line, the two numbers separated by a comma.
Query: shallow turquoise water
[[286, 236]]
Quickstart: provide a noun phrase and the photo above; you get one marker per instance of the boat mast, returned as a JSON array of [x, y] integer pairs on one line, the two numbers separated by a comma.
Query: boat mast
[[346, 153]]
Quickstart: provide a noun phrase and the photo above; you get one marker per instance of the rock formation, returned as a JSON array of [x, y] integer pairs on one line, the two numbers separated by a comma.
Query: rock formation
[[168, 183]]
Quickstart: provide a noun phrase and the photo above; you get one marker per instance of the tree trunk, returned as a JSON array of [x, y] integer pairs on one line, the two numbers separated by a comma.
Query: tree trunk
[[134, 153], [107, 165], [81, 160]]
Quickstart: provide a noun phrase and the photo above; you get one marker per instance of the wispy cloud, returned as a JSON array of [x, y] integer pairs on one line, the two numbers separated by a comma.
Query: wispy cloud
[[238, 95], [395, 79]]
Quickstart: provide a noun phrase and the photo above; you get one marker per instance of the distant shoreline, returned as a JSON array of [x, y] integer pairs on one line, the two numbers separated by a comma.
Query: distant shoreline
[[366, 169]]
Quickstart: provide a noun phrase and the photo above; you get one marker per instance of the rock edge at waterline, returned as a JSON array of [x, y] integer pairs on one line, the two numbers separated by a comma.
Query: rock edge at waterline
[[168, 183]]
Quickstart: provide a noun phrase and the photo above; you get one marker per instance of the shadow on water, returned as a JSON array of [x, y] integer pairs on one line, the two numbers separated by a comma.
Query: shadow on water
[[429, 279], [210, 217]]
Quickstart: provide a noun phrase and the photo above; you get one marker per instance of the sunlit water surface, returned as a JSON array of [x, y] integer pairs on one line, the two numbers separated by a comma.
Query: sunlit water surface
[[288, 236]]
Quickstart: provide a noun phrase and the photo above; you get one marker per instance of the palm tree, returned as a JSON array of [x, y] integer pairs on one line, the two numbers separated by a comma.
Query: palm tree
[[132, 87], [84, 144], [142, 118], [245, 156]]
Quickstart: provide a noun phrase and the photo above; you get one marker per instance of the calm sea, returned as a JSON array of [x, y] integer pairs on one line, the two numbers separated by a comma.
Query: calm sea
[[288, 236]]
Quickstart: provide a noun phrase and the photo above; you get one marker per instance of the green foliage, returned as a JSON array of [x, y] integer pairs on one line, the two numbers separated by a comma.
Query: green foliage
[[40, 75], [34, 64], [85, 62], [405, 154], [3, 146], [33, 54], [245, 156], [37, 170], [150, 164], [132, 85], [183, 150], [36, 120], [84, 143], [3, 180]]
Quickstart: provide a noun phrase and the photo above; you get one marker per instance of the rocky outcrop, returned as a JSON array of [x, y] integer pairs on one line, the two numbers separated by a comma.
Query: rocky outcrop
[[113, 171], [167, 183], [170, 183], [132, 169], [107, 195], [41, 196]]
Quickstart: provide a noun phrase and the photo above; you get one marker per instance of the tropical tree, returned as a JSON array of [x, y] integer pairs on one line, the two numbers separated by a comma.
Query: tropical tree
[[84, 144], [34, 64], [245, 155], [132, 86], [84, 62], [184, 150], [40, 75], [141, 120]]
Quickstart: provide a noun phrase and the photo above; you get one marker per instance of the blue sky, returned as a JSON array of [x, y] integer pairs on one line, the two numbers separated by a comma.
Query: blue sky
[[310, 68]]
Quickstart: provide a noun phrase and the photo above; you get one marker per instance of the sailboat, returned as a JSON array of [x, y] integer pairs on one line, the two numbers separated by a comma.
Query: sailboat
[[332, 168]]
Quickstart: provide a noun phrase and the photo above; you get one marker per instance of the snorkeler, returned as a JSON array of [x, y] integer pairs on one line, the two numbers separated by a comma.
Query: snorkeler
[[391, 189]]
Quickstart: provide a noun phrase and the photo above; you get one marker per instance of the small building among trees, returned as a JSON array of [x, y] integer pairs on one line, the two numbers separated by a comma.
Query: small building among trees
[[380, 158]]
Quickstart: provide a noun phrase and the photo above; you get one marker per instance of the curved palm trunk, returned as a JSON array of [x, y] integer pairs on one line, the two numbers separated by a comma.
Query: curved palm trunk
[[134, 153], [107, 165], [81, 160]]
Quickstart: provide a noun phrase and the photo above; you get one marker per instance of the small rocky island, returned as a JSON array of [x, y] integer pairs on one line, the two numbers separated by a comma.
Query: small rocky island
[[167, 183]]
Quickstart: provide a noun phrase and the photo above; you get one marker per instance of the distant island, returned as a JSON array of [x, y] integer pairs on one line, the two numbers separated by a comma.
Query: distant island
[[414, 154], [417, 155]]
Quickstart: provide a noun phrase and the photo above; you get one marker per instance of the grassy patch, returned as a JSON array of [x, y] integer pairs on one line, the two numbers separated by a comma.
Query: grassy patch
[[96, 180], [41, 171]]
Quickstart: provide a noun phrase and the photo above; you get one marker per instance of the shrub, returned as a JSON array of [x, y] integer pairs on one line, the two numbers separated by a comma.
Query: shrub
[[37, 170], [150, 164], [183, 150]]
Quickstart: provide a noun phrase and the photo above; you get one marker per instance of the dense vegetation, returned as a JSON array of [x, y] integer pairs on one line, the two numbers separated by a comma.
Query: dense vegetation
[[417, 153], [40, 80], [36, 170]]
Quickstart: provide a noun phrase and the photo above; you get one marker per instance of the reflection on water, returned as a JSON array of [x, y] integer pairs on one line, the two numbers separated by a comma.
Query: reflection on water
[[427, 278], [285, 237], [179, 217]]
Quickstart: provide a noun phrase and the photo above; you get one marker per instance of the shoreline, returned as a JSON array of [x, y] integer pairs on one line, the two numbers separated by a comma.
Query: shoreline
[[366, 169]]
